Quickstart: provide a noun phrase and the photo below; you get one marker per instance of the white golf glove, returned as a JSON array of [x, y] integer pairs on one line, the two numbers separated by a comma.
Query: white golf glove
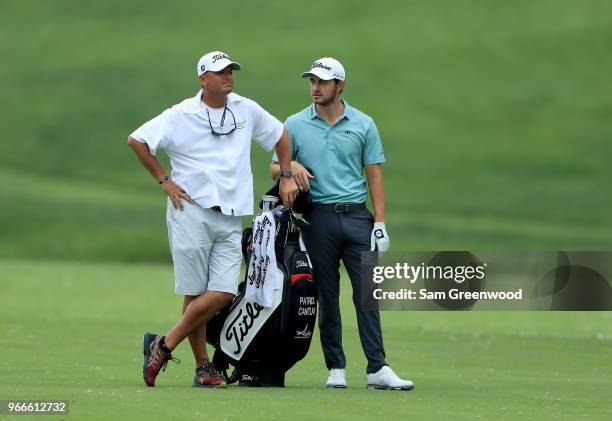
[[380, 239]]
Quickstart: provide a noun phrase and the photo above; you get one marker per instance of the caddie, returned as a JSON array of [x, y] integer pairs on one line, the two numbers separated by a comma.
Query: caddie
[[208, 139]]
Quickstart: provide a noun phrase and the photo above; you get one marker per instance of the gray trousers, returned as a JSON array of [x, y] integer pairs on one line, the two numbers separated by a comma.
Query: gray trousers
[[333, 237]]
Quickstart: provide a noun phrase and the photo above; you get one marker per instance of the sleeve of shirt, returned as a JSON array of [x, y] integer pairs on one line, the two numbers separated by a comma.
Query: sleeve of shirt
[[289, 127], [267, 130], [373, 150], [155, 132]]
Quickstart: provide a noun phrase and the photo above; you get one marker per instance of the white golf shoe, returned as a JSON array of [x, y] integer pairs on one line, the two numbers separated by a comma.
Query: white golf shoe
[[336, 378], [385, 378]]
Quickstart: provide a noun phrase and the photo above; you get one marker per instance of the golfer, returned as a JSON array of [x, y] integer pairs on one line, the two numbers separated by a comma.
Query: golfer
[[208, 139], [337, 142]]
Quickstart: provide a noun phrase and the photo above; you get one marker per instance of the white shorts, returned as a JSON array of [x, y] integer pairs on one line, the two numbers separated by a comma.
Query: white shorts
[[206, 250]]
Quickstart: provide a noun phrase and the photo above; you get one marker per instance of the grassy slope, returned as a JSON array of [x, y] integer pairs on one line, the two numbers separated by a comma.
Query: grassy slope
[[494, 116], [73, 331]]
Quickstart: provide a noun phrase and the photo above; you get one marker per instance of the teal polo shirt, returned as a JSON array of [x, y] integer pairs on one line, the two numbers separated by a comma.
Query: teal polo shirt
[[336, 154]]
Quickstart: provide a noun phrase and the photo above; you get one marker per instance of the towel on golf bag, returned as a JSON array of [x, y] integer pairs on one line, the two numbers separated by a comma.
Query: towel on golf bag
[[263, 277]]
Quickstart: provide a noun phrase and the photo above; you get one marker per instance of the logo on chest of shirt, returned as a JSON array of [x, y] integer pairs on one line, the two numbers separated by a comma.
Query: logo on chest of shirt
[[351, 139], [354, 136]]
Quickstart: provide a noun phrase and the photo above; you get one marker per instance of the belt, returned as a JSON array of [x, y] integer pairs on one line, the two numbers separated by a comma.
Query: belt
[[340, 207], [216, 208]]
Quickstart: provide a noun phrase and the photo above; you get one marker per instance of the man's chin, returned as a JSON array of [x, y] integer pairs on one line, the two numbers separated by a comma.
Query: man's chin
[[322, 101]]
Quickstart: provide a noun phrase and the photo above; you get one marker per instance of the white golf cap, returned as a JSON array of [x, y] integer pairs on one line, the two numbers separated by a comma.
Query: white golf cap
[[326, 68], [215, 61]]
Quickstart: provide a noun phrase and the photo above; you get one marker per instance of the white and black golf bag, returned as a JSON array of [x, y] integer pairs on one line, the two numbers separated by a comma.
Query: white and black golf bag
[[262, 343]]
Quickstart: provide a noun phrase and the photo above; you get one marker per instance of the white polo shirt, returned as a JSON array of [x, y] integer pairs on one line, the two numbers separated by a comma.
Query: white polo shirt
[[213, 170]]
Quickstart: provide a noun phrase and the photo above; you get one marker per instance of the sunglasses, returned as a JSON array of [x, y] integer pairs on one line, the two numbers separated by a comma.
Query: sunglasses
[[225, 110]]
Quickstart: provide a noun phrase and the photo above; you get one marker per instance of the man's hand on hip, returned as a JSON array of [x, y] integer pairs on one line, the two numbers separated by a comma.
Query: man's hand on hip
[[288, 191], [175, 193], [379, 239]]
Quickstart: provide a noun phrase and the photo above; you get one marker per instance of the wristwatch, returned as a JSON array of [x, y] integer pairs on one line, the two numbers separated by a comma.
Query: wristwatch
[[286, 173]]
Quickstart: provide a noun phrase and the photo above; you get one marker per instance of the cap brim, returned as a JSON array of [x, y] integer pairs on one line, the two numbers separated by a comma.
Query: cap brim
[[232, 65], [320, 73]]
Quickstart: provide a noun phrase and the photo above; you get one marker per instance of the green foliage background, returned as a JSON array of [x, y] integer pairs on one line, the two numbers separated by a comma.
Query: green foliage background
[[495, 116]]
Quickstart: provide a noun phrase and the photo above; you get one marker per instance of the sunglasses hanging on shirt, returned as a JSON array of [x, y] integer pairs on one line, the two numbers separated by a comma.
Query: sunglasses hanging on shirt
[[225, 110]]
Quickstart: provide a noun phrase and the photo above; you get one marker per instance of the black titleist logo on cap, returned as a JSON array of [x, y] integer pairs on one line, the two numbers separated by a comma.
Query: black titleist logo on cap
[[321, 65], [219, 57]]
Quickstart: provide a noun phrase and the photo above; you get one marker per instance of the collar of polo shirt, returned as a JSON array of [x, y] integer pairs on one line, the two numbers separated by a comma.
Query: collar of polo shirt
[[348, 111]]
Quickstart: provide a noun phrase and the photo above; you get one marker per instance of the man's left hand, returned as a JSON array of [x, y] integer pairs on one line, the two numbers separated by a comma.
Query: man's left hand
[[379, 239], [288, 191]]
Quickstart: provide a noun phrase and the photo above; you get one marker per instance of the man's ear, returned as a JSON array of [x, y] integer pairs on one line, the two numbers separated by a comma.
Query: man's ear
[[340, 85], [202, 78]]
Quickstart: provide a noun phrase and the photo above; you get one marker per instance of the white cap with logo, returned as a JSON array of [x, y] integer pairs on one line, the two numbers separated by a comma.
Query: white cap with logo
[[214, 62], [326, 68]]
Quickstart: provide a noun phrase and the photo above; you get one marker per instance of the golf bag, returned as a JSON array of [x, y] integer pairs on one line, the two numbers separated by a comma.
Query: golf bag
[[263, 343]]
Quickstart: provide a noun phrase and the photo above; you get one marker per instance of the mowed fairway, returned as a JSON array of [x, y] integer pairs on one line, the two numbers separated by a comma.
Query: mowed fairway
[[73, 331]]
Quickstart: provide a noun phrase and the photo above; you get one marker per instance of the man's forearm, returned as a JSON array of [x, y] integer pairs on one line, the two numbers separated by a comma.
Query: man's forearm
[[147, 160], [283, 151], [377, 191], [287, 188], [274, 170]]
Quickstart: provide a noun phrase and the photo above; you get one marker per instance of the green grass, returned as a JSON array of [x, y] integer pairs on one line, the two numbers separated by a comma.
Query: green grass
[[494, 115], [74, 330]]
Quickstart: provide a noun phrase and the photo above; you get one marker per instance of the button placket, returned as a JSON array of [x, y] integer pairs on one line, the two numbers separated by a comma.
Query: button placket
[[331, 144]]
